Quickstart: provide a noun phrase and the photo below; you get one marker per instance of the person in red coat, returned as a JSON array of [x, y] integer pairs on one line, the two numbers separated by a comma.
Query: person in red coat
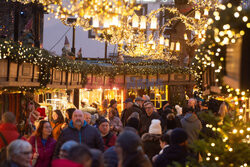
[[8, 129], [108, 137], [45, 144]]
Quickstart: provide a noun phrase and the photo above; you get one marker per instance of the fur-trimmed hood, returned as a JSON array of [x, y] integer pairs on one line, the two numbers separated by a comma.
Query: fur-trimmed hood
[[150, 137]]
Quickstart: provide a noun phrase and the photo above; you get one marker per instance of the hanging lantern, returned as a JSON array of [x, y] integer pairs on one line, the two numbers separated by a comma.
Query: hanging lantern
[[178, 47], [135, 21], [153, 25], [96, 22], [206, 12], [115, 21], [106, 23], [172, 46], [161, 40], [185, 36], [167, 42], [143, 22], [197, 15]]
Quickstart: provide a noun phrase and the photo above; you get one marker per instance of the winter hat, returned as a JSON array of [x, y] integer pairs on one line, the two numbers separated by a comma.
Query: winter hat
[[129, 141], [133, 122], [155, 127], [178, 109], [68, 145], [178, 136]]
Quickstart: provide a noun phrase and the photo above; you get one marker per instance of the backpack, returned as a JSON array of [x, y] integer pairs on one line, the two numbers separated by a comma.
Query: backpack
[[3, 150]]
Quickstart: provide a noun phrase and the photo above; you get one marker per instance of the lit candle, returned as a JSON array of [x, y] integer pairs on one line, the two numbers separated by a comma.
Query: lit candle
[[143, 22], [95, 22], [178, 46], [167, 42], [153, 24], [135, 21], [161, 40], [172, 46], [197, 15]]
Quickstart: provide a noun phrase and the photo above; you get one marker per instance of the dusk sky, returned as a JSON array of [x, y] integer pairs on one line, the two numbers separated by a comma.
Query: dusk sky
[[54, 30]]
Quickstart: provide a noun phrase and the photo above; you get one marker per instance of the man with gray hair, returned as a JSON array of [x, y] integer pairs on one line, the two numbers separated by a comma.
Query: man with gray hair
[[8, 129], [81, 132], [87, 117], [19, 153], [147, 118]]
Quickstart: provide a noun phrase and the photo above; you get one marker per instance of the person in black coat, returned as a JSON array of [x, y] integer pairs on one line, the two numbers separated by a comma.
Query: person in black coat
[[129, 150], [146, 119], [176, 152], [151, 140], [80, 132]]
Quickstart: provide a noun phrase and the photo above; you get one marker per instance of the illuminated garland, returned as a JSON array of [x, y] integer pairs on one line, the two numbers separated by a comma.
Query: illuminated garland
[[18, 53], [228, 25], [225, 145]]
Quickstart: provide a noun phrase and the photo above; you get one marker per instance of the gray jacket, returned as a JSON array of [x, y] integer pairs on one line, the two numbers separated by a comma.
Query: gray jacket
[[192, 126]]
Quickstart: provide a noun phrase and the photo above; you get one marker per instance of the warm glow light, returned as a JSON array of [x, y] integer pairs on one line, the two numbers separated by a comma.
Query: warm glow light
[[197, 15], [178, 46], [161, 40], [172, 46], [167, 42], [95, 22], [245, 18], [206, 12], [185, 36], [153, 24], [143, 22], [236, 14], [135, 21]]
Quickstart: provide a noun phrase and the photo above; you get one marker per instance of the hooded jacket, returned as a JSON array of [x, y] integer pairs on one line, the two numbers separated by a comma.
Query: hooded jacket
[[88, 135], [173, 153], [192, 125]]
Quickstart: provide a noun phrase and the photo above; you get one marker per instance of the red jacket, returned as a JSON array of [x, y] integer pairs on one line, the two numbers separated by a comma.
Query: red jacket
[[109, 140], [65, 163], [10, 133], [45, 153]]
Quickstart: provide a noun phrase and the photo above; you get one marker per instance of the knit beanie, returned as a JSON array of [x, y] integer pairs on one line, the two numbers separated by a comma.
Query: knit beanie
[[178, 136], [155, 127], [133, 122], [129, 141]]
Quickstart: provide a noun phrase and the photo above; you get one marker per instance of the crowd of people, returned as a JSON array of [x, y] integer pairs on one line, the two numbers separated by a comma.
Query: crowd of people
[[139, 136]]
